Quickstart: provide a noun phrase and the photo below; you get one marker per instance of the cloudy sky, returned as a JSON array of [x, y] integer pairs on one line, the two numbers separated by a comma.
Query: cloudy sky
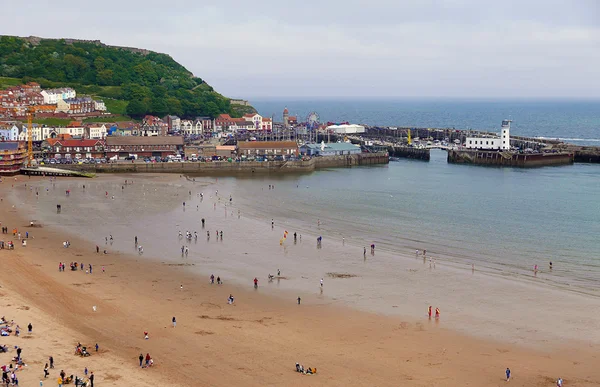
[[420, 48]]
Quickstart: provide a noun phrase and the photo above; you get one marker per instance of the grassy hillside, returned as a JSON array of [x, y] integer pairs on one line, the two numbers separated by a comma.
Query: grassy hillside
[[131, 81]]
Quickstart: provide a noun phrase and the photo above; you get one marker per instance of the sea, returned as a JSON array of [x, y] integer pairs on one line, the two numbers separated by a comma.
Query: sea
[[572, 121], [490, 233]]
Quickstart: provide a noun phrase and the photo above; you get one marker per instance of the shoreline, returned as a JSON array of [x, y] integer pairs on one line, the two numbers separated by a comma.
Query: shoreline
[[391, 283], [257, 340]]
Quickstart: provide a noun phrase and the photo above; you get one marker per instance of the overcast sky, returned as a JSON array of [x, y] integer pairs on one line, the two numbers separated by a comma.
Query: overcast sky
[[442, 48]]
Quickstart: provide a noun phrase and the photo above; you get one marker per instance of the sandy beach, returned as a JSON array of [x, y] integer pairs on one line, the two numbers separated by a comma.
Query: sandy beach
[[255, 341]]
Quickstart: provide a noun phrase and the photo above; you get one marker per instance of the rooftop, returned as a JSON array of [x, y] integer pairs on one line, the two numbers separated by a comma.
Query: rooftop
[[73, 143], [144, 140], [9, 145], [335, 146], [267, 144]]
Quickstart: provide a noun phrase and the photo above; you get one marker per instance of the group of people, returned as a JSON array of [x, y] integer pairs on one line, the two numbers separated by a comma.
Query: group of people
[[146, 362], [437, 312], [212, 279], [308, 371], [75, 266]]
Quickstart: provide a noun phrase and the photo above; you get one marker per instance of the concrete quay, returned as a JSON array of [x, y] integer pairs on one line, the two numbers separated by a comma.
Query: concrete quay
[[235, 168], [509, 159]]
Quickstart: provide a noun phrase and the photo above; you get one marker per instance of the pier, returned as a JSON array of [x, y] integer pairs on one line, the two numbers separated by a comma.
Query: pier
[[509, 159]]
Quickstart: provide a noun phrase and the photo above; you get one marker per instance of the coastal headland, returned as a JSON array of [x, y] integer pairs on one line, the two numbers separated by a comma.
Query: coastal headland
[[254, 342]]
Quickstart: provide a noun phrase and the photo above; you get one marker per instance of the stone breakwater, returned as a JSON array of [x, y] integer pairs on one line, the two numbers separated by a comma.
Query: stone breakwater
[[510, 159], [245, 167]]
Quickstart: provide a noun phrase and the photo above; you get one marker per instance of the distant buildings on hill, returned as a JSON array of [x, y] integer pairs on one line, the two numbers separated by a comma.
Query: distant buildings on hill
[[17, 101]]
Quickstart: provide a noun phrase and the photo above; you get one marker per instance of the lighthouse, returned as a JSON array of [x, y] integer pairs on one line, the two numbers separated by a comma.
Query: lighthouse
[[505, 135], [286, 114]]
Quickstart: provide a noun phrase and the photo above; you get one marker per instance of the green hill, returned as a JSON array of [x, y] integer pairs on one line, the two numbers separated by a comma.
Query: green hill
[[132, 81]]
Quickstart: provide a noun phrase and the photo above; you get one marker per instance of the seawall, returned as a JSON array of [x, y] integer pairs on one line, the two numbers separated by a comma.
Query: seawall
[[409, 152], [225, 167], [510, 159]]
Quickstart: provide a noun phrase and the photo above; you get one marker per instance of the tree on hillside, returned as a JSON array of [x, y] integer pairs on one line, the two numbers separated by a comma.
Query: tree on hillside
[[151, 84]]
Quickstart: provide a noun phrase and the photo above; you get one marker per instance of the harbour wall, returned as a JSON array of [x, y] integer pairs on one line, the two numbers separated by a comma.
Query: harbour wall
[[409, 153], [509, 159], [225, 167]]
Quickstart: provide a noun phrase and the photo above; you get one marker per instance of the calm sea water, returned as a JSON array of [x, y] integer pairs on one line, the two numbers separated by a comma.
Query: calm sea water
[[573, 121], [506, 220]]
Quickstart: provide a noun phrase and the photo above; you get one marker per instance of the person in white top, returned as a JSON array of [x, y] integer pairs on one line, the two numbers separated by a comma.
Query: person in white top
[[321, 282]]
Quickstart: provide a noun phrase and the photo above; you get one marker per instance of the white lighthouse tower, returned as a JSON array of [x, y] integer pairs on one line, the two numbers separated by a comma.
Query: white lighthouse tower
[[505, 135]]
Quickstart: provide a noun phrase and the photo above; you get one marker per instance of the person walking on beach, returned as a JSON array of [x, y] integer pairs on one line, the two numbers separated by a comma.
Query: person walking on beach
[[141, 357], [135, 240], [365, 252], [29, 328], [92, 379], [437, 312], [51, 360], [299, 299], [321, 283], [429, 311], [174, 322], [508, 374], [97, 249], [46, 371]]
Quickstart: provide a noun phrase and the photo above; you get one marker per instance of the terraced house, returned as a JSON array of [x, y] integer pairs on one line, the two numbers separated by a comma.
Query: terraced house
[[71, 149]]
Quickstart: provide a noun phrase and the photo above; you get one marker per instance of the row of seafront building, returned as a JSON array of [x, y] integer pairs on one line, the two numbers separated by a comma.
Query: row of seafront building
[[13, 153]]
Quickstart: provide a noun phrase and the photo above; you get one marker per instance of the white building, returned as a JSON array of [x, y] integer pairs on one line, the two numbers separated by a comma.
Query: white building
[[52, 96], [492, 143], [10, 133], [192, 128], [97, 132], [255, 118], [38, 133], [242, 125], [99, 105], [346, 129], [74, 131]]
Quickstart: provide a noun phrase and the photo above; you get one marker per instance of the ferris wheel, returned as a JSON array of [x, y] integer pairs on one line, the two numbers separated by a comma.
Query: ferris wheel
[[312, 120]]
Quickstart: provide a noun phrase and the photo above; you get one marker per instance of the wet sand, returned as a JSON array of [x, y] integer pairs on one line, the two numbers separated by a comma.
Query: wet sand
[[482, 303], [256, 341]]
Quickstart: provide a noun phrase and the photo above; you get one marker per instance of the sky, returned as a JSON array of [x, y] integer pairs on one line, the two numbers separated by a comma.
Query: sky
[[331, 48]]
